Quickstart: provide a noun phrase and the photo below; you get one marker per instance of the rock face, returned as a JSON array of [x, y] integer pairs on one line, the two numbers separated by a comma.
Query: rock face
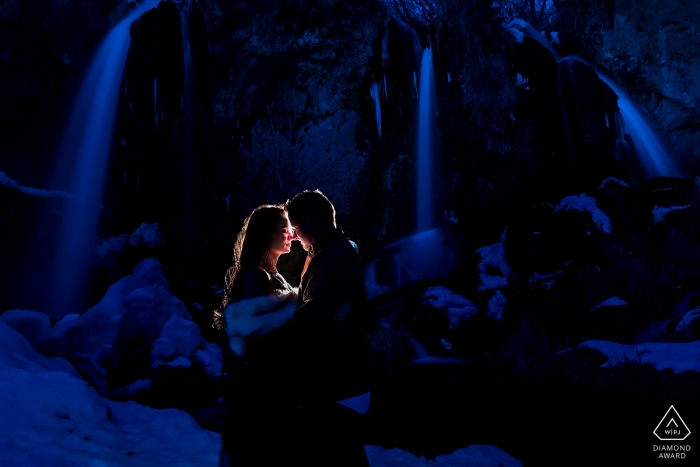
[[287, 91]]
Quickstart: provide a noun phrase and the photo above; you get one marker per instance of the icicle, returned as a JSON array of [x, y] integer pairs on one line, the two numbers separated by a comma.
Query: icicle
[[374, 92], [123, 142], [155, 94], [415, 87], [385, 43], [131, 109], [449, 78], [386, 92]]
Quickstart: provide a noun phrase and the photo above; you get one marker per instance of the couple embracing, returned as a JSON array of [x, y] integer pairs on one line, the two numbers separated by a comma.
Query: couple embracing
[[298, 369]]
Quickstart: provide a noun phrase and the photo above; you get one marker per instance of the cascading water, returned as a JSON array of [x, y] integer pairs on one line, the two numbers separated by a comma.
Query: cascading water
[[87, 144], [424, 149], [430, 252], [650, 152]]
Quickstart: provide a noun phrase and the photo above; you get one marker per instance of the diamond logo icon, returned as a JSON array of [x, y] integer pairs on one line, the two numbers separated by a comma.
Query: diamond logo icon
[[672, 427]]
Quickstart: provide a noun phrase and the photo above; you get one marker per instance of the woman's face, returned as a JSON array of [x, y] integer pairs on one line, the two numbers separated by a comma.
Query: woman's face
[[281, 241]]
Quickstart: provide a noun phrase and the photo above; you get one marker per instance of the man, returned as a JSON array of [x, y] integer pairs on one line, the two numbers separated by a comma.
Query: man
[[333, 362]]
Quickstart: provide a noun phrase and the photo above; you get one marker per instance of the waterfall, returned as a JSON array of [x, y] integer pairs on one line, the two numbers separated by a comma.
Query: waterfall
[[650, 151], [651, 154], [87, 144], [426, 105]]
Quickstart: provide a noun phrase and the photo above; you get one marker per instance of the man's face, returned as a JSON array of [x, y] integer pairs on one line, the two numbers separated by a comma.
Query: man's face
[[301, 233]]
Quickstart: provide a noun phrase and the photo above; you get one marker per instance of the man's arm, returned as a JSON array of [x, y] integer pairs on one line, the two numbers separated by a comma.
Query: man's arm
[[324, 290]]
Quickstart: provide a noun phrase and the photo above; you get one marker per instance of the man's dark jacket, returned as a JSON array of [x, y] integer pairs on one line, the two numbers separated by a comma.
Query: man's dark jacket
[[335, 359]]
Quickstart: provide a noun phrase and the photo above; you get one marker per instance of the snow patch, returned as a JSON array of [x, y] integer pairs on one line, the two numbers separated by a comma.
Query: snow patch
[[10, 183], [493, 256], [476, 455], [146, 234], [136, 310], [587, 204], [496, 305], [612, 180], [659, 213], [133, 388], [612, 301], [451, 217], [210, 358], [687, 319], [677, 357], [457, 307], [51, 416]]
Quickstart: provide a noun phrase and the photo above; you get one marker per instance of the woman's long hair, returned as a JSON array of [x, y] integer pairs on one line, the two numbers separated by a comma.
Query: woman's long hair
[[249, 251]]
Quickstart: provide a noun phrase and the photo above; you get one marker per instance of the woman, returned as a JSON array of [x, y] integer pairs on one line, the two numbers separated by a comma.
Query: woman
[[265, 236], [259, 417]]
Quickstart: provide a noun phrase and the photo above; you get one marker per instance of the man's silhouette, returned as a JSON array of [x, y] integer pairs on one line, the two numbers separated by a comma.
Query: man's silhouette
[[332, 358]]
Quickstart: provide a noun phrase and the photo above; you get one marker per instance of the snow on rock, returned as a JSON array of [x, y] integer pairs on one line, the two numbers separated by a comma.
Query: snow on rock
[[133, 388], [179, 361], [517, 34], [476, 455], [10, 183], [541, 278], [17, 352], [457, 307], [179, 337], [146, 234], [496, 305], [587, 204], [612, 180], [677, 357], [688, 318], [33, 325], [210, 358], [612, 301], [493, 257], [659, 213], [53, 417], [451, 217], [136, 311]]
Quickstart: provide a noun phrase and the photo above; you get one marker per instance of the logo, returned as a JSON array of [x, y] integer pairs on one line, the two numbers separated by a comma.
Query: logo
[[672, 427]]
